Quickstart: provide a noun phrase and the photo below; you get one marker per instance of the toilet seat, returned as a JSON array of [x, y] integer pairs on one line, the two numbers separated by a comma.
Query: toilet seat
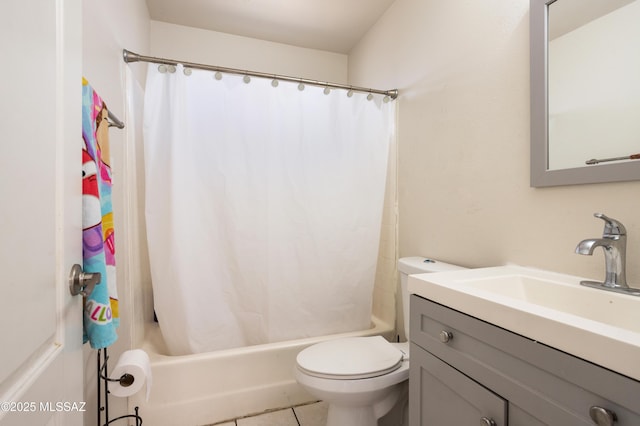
[[350, 358]]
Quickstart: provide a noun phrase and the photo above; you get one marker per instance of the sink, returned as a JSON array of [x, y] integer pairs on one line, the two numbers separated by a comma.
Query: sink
[[599, 326], [616, 310]]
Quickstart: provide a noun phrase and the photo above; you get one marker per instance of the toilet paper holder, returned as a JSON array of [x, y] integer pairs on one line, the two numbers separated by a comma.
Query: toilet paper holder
[[125, 380]]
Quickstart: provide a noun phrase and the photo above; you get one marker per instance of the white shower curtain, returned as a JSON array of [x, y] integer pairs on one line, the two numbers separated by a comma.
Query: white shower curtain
[[263, 208]]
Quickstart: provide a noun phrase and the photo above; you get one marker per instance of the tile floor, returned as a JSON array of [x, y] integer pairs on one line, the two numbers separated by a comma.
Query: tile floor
[[302, 415]]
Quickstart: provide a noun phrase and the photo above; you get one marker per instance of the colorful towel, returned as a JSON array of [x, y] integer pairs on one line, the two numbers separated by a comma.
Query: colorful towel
[[98, 249]]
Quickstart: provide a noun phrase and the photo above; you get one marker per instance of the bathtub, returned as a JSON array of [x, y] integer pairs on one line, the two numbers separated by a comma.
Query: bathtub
[[201, 389]]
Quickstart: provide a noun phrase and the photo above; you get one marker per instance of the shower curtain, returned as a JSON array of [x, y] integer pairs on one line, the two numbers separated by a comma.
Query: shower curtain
[[263, 207]]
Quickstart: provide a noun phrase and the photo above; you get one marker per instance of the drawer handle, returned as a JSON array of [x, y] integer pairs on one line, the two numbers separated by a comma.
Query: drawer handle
[[602, 416], [485, 421], [446, 336]]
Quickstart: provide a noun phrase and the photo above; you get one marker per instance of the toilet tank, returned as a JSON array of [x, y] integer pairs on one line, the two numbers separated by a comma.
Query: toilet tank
[[417, 265]]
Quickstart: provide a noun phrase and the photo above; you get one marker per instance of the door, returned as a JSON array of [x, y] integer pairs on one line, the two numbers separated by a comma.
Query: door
[[41, 365], [441, 395]]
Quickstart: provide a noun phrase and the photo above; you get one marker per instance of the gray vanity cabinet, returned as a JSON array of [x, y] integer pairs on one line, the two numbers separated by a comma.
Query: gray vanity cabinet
[[465, 371]]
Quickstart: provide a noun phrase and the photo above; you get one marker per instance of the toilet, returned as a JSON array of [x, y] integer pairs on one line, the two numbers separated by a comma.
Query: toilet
[[363, 378]]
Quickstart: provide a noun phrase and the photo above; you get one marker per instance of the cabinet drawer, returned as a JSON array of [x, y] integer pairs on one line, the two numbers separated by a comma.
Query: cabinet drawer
[[441, 395], [553, 386]]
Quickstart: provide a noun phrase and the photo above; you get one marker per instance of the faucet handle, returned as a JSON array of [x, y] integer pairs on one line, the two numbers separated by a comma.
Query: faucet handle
[[612, 227]]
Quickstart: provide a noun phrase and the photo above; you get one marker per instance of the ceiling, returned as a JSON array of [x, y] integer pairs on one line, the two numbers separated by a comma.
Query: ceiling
[[331, 25]]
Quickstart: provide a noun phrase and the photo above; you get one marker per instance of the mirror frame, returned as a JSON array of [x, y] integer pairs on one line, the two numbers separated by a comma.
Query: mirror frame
[[541, 176]]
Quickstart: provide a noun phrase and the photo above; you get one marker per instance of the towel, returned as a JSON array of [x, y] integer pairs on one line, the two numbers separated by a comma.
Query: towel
[[98, 245]]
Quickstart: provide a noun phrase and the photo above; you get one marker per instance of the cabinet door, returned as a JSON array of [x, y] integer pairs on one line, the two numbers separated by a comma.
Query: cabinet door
[[441, 395]]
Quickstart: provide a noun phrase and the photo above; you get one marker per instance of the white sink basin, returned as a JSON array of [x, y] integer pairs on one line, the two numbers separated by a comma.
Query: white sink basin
[[600, 326]]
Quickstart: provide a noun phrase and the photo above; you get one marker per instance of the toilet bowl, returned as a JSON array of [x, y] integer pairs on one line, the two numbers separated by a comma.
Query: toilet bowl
[[359, 387], [363, 378]]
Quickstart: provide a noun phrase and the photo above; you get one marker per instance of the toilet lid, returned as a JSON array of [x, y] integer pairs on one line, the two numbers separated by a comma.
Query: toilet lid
[[350, 358]]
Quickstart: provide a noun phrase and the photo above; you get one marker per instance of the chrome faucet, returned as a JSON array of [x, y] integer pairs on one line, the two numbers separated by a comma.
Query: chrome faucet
[[614, 244]]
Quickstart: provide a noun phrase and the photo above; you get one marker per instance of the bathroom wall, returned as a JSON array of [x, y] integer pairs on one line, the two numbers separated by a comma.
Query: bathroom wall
[[109, 27], [227, 50], [462, 68]]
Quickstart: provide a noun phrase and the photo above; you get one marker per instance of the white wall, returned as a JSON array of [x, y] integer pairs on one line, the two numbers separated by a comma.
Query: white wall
[[462, 68], [226, 50], [108, 28]]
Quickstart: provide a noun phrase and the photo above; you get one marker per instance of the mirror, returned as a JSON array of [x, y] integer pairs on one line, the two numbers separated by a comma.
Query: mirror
[[585, 91]]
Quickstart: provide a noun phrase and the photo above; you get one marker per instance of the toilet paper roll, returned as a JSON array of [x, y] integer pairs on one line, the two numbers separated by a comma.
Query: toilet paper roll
[[136, 363]]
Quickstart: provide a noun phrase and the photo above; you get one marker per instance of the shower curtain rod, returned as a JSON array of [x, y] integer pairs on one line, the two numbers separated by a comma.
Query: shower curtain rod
[[134, 57]]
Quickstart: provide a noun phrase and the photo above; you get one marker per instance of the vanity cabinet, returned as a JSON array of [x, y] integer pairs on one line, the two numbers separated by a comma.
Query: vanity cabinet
[[465, 371]]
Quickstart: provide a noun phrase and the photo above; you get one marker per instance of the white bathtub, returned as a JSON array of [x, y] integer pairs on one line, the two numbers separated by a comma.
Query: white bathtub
[[194, 390]]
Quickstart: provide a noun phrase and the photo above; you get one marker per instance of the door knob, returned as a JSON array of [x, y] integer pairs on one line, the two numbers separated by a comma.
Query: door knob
[[81, 282]]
